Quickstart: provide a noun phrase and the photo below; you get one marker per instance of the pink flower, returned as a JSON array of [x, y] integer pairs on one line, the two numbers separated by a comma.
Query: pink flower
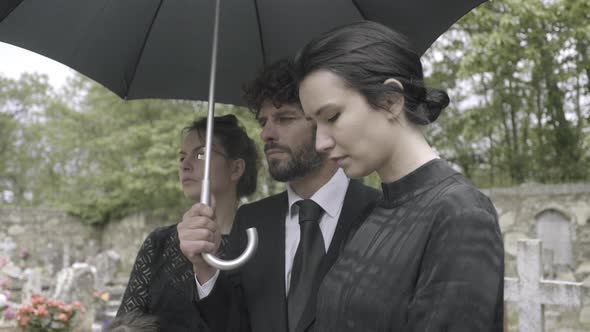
[[62, 317], [42, 311], [78, 306], [23, 321], [37, 300], [9, 314], [27, 308], [65, 308], [54, 303]]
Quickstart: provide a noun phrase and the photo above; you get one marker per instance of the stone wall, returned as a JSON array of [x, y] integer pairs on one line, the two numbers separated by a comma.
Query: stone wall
[[520, 210], [126, 237], [45, 235]]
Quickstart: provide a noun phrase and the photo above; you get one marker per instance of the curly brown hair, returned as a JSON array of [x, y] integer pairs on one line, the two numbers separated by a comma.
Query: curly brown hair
[[275, 83]]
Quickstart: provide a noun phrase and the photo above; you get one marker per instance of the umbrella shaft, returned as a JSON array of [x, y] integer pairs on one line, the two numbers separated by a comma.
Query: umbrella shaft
[[206, 184]]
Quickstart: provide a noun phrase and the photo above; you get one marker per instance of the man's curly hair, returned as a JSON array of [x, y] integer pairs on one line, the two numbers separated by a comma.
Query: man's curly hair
[[275, 83]]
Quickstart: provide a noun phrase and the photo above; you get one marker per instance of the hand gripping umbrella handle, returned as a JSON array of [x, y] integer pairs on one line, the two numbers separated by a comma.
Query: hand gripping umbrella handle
[[243, 258]]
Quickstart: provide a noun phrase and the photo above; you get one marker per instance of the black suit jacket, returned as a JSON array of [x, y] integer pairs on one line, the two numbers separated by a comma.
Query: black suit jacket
[[253, 298]]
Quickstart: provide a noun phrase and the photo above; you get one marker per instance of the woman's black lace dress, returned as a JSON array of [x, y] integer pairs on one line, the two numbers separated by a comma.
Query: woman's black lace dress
[[162, 284]]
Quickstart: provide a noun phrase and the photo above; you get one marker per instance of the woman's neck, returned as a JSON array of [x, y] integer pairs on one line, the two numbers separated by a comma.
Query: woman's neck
[[407, 156], [225, 211]]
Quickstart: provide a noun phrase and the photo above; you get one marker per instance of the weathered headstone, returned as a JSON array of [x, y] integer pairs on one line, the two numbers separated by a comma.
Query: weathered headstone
[[530, 291], [32, 284], [76, 283], [107, 264], [548, 266], [52, 259], [554, 230]]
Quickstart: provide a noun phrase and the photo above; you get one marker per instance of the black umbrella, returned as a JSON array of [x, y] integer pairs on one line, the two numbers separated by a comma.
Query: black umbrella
[[162, 48]]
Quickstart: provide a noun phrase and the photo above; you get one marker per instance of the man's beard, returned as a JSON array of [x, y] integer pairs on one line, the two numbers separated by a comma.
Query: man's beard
[[302, 162]]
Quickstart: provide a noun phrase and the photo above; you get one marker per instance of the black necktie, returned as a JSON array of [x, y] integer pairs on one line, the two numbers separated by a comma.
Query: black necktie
[[307, 260]]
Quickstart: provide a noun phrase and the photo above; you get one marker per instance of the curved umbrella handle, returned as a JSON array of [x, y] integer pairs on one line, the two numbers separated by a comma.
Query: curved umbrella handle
[[244, 257]]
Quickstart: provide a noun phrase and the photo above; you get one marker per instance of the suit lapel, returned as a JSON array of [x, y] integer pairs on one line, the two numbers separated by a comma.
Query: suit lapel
[[353, 206], [272, 222]]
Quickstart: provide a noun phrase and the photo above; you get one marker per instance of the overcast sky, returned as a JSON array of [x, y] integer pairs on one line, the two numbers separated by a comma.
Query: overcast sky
[[14, 61]]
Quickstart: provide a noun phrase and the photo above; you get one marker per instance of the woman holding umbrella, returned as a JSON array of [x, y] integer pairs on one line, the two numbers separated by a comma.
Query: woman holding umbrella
[[430, 255], [163, 282]]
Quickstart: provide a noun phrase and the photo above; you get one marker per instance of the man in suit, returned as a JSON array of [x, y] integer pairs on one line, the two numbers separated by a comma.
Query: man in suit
[[262, 295]]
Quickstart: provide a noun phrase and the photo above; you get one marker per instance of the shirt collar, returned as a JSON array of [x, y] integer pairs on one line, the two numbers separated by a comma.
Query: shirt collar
[[330, 196]]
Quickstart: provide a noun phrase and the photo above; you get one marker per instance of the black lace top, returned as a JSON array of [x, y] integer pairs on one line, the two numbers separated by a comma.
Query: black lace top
[[162, 284]]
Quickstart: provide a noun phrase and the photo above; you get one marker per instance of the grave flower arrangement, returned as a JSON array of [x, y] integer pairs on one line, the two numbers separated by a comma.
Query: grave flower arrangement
[[48, 315], [101, 299]]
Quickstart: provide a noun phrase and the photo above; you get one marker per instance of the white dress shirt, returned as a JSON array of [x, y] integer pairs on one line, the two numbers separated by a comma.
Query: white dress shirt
[[330, 197]]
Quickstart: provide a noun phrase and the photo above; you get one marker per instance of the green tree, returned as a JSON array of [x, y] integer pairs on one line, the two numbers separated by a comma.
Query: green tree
[[517, 71], [99, 157], [22, 102]]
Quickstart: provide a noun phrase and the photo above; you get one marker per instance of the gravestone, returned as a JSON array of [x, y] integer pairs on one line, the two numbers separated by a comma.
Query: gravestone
[[548, 265], [554, 230], [32, 284], [531, 292], [51, 258], [76, 283], [107, 264]]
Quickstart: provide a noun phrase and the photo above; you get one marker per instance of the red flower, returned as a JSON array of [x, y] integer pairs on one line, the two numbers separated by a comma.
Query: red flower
[[23, 321], [42, 311]]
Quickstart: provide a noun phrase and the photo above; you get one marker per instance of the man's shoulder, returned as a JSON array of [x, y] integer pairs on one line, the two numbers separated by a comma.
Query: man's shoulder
[[264, 203]]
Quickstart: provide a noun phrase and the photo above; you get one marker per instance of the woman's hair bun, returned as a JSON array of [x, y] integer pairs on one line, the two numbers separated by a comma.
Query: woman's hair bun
[[434, 103]]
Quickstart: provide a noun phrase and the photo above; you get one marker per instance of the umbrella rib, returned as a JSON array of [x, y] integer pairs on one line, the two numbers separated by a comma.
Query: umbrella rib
[[9, 10], [142, 48], [358, 8], [260, 32]]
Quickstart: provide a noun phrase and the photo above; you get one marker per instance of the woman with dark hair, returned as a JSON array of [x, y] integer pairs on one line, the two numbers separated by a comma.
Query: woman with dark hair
[[162, 282], [430, 255]]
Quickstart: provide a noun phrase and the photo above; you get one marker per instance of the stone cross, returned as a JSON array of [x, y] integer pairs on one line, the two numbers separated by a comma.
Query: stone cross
[[530, 291]]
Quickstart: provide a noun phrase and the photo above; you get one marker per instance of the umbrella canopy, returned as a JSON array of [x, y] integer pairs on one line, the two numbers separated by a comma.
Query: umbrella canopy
[[161, 49]]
